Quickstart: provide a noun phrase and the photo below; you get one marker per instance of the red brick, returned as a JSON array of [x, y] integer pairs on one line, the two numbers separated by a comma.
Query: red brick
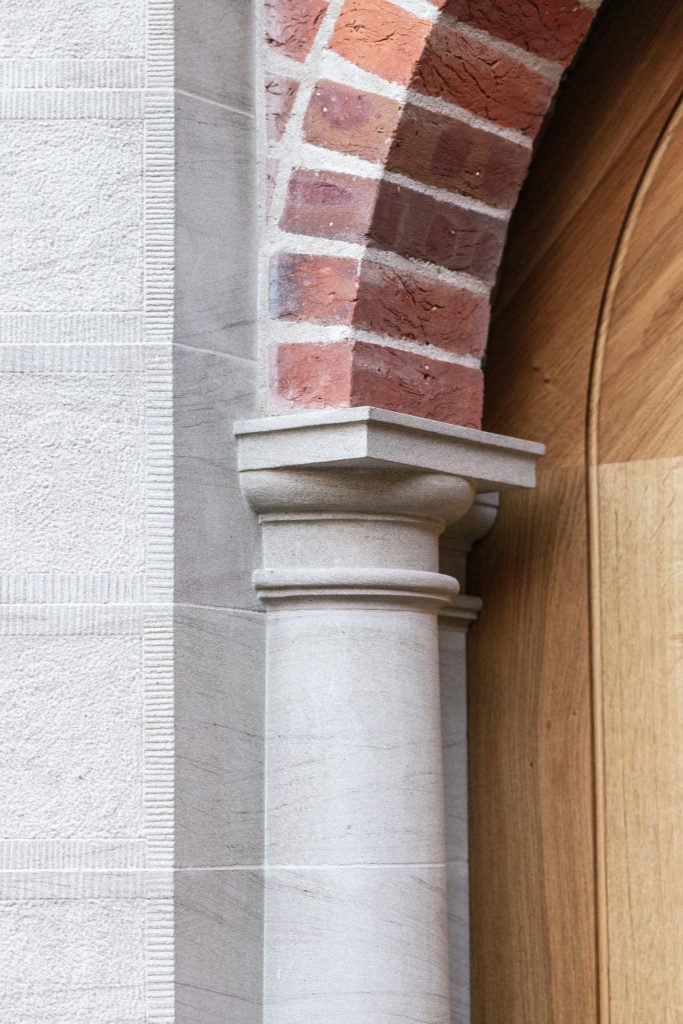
[[450, 154], [291, 25], [415, 225], [401, 304], [280, 95], [272, 167], [380, 37], [389, 378], [310, 376], [330, 205], [319, 289], [550, 28], [351, 121], [339, 374], [480, 78]]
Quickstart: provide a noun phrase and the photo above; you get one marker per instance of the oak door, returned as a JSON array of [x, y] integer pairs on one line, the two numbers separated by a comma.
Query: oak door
[[576, 675]]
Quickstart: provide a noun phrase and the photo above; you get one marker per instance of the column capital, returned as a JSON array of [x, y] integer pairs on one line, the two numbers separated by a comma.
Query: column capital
[[352, 502], [376, 439]]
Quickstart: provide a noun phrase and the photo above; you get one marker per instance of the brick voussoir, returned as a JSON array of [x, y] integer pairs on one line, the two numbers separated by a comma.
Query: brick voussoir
[[311, 375], [313, 289], [417, 226], [553, 29], [476, 76], [280, 95], [351, 121], [292, 25], [330, 205], [380, 37], [408, 306], [403, 382], [445, 153]]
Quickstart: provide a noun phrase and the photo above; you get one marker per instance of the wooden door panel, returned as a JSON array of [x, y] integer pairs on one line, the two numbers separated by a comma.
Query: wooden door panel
[[539, 813], [639, 652]]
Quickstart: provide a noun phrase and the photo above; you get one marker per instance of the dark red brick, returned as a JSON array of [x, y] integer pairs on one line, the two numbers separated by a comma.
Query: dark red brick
[[478, 77], [403, 304], [330, 205], [389, 378], [339, 374], [351, 121], [550, 28], [449, 154], [280, 96], [319, 289], [291, 25], [310, 376], [415, 225]]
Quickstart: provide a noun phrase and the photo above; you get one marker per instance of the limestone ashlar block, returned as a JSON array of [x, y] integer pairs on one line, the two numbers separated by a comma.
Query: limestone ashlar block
[[215, 244], [84, 496], [77, 29], [214, 50], [216, 534], [87, 694], [219, 947], [219, 737], [83, 178], [79, 948]]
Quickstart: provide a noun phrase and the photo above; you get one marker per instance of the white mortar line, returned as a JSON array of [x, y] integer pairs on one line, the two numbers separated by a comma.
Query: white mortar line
[[313, 245], [305, 333], [276, 63], [419, 8], [318, 158]]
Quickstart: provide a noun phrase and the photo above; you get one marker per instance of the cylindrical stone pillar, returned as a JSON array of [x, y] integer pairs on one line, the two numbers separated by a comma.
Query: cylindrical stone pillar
[[352, 504], [355, 903]]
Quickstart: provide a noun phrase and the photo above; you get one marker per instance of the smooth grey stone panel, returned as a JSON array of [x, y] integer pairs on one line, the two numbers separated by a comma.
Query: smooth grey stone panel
[[459, 942], [214, 50], [216, 269], [453, 662], [219, 947], [217, 542], [219, 745]]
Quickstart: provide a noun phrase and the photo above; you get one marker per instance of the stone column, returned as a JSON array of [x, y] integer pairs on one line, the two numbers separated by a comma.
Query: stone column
[[454, 623], [352, 504]]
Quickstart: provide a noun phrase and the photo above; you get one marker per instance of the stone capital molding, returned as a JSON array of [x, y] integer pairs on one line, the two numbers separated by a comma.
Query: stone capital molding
[[366, 438]]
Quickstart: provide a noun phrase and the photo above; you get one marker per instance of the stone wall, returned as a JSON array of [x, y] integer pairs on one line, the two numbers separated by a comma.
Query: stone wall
[[132, 675]]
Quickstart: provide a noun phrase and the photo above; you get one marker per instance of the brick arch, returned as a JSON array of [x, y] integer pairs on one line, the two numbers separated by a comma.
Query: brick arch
[[399, 135]]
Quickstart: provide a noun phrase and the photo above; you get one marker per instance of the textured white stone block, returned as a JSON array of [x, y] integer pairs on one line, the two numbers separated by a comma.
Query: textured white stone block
[[72, 961], [73, 739], [77, 28], [85, 471], [71, 214], [87, 697]]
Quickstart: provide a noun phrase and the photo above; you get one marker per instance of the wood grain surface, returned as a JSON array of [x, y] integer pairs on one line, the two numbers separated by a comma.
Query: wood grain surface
[[538, 825]]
